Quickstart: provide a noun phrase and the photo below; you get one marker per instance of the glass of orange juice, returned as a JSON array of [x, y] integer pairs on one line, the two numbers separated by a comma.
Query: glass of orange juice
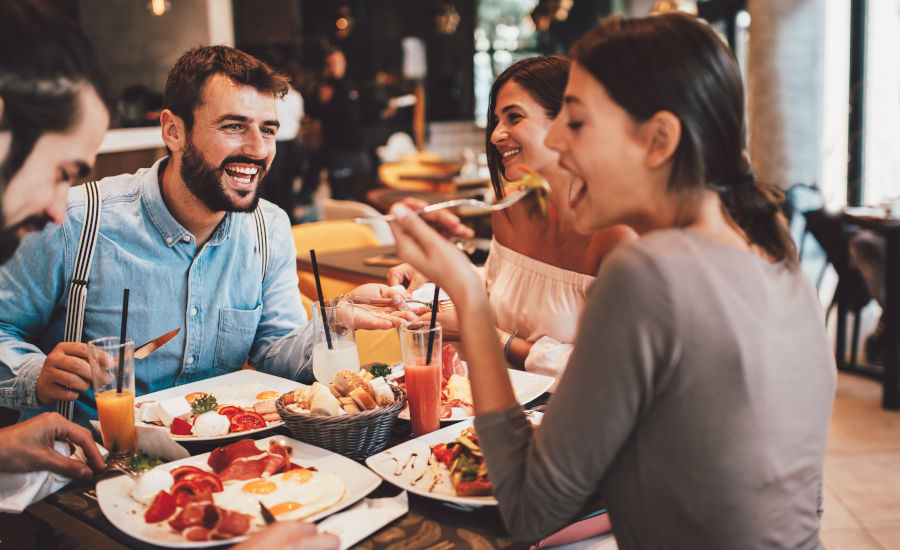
[[423, 378], [115, 397]]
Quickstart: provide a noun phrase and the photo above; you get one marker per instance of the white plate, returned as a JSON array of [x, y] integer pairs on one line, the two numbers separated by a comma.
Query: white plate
[[114, 494], [432, 481], [526, 385], [240, 377]]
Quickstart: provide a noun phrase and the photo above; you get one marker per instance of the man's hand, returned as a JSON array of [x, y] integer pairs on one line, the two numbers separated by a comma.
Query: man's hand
[[406, 275], [290, 535], [65, 374], [446, 223], [28, 447]]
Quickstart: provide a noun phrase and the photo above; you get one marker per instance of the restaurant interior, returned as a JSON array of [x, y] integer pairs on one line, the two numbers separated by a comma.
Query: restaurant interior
[[822, 90]]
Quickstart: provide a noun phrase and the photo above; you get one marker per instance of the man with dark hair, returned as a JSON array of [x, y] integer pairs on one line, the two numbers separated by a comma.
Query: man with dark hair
[[191, 240], [51, 88], [53, 115]]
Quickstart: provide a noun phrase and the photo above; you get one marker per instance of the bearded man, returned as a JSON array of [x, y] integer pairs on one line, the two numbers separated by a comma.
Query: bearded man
[[184, 237]]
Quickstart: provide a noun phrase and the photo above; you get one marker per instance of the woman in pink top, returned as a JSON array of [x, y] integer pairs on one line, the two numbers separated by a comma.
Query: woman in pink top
[[539, 268]]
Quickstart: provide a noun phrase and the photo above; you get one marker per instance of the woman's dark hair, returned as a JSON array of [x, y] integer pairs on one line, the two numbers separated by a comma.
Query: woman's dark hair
[[184, 86], [46, 62], [544, 78], [674, 62]]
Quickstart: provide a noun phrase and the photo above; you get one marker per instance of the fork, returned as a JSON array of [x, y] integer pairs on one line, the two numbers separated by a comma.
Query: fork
[[507, 201], [444, 304]]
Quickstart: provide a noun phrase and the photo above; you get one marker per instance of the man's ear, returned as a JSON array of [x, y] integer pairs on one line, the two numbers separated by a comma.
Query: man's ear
[[173, 130], [663, 134]]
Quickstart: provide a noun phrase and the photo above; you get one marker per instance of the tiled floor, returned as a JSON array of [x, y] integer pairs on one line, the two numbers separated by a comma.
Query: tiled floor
[[862, 470]]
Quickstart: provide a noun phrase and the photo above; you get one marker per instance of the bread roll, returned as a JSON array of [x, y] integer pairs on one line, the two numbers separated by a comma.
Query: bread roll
[[324, 403], [373, 385], [365, 375], [350, 407], [384, 395], [362, 399], [346, 381]]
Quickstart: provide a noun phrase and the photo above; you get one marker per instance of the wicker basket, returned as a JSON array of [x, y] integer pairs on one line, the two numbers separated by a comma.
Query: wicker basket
[[355, 435]]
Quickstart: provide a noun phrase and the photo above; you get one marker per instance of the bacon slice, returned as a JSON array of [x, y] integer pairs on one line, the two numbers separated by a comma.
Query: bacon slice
[[253, 467], [221, 457], [451, 363], [204, 514], [231, 524], [266, 407], [196, 533]]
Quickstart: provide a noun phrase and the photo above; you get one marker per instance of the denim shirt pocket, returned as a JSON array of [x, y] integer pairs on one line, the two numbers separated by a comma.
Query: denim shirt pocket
[[237, 329]]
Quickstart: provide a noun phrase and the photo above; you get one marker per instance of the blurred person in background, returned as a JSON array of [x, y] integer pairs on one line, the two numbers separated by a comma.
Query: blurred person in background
[[336, 104]]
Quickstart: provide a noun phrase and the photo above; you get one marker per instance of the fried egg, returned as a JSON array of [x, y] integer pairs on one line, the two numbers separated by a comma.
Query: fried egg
[[293, 495], [242, 395]]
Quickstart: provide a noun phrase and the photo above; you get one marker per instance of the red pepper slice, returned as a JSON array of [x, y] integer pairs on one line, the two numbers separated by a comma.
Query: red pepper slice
[[206, 479], [186, 490], [181, 427], [247, 420], [162, 506], [181, 471], [230, 411]]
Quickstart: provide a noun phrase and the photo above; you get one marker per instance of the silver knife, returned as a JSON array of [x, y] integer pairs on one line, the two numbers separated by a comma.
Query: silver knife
[[144, 350]]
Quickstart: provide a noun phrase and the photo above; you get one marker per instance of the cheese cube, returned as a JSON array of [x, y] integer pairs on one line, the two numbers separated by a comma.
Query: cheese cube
[[176, 407], [148, 412]]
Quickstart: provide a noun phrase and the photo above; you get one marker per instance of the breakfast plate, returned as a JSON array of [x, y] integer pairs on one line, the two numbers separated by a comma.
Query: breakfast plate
[[127, 515], [526, 385], [239, 388]]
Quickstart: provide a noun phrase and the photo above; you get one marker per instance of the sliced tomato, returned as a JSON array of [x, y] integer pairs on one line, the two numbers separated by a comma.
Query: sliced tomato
[[186, 491], [181, 427], [181, 471], [207, 479], [230, 411], [162, 507], [445, 454], [247, 420]]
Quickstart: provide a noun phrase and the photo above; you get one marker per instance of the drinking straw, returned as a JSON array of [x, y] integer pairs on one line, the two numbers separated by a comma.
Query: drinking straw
[[434, 309], [312, 256], [122, 342]]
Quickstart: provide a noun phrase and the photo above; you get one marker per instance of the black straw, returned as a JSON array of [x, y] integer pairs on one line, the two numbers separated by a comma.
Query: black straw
[[122, 342], [312, 256], [434, 310]]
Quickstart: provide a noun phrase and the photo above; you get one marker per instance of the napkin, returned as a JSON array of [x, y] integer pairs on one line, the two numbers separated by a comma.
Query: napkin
[[18, 491], [363, 519], [155, 440]]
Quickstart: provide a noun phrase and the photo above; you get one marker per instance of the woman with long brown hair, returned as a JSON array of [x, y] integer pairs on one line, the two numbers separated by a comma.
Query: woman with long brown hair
[[697, 399]]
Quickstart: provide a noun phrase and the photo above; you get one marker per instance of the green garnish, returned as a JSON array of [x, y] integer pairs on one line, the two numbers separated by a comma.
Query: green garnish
[[380, 369], [204, 404], [141, 462]]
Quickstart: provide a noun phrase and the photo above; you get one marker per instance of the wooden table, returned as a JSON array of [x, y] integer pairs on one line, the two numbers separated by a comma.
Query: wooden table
[[74, 512], [889, 228], [350, 265]]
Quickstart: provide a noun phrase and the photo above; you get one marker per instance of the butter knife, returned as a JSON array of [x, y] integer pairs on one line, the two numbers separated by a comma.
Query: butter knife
[[144, 350]]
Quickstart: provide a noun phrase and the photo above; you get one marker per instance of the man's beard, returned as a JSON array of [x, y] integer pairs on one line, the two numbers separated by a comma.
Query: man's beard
[[9, 236], [206, 183]]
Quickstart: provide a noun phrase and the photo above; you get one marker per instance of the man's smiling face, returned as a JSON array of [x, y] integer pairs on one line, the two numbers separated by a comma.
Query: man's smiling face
[[230, 146]]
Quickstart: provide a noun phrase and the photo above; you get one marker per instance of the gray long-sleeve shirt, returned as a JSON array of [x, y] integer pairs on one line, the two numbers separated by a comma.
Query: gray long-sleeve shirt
[[696, 401]]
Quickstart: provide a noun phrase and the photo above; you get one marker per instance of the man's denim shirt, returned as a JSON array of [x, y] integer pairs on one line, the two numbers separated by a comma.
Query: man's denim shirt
[[217, 295]]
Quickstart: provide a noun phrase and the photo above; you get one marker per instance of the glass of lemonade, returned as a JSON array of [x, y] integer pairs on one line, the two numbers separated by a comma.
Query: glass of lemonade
[[423, 381], [342, 354], [115, 408]]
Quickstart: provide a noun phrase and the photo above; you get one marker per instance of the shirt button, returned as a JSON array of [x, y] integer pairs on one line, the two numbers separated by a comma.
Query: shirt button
[[168, 240], [186, 238], [193, 311], [190, 360]]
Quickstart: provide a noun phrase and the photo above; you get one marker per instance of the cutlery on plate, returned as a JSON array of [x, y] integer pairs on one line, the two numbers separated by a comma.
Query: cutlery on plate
[[507, 201], [266, 514], [146, 349]]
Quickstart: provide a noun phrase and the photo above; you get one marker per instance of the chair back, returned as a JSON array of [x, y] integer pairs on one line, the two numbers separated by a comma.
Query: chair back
[[333, 209]]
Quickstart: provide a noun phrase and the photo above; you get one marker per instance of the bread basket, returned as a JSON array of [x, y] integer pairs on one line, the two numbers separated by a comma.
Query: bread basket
[[355, 435]]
